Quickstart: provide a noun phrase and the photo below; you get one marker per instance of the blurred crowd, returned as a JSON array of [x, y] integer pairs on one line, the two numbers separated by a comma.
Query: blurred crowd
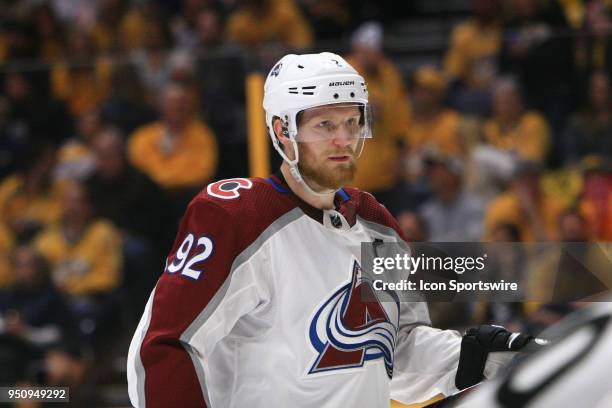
[[113, 114]]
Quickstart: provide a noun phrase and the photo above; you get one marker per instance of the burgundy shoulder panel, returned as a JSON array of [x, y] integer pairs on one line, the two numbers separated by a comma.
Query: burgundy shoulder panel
[[371, 210]]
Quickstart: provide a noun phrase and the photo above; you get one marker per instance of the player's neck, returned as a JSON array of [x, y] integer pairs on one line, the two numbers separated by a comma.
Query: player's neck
[[321, 202]]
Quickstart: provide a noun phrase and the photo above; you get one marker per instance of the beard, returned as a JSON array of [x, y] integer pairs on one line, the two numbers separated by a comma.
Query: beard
[[325, 173]]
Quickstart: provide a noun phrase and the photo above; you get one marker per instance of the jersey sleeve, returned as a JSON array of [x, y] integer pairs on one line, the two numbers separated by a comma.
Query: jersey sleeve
[[426, 361], [205, 288]]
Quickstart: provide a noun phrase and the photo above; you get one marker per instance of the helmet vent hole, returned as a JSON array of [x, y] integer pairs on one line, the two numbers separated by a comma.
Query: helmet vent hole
[[336, 96], [352, 94], [301, 66]]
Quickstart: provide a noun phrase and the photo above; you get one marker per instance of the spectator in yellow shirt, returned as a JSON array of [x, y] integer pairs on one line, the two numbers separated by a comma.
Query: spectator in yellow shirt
[[470, 63], [378, 165], [105, 31], [83, 251], [474, 46], [512, 128], [74, 158], [83, 80], [526, 207], [179, 151], [257, 22], [7, 277], [29, 200], [432, 125]]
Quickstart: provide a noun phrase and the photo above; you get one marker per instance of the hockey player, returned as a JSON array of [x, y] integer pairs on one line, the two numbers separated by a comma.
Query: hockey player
[[260, 302]]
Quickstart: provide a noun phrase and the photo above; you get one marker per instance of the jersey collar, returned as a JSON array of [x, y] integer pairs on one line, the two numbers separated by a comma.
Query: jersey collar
[[342, 200]]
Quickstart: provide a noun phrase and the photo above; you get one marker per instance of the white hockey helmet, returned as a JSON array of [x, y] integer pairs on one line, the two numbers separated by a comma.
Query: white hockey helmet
[[300, 82]]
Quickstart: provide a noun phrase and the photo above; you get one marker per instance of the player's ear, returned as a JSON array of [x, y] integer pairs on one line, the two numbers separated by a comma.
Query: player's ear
[[281, 132]]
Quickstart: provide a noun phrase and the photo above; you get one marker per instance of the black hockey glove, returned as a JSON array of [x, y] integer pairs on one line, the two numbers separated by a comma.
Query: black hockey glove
[[476, 346]]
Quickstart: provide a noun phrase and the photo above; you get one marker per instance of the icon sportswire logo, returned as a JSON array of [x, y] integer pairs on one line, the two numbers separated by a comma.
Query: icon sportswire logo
[[347, 332]]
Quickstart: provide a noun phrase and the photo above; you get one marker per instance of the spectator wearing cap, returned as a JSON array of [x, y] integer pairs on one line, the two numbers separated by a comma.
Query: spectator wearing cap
[[378, 166], [451, 214], [526, 206], [513, 129], [258, 22], [470, 63], [432, 125]]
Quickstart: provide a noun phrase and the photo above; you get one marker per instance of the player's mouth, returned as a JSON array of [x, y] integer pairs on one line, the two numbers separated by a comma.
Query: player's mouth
[[340, 159]]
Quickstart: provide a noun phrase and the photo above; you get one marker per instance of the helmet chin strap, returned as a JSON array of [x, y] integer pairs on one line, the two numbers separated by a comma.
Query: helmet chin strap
[[295, 171], [297, 176]]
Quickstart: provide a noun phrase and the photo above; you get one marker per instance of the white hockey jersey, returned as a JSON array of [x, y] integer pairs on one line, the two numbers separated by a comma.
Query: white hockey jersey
[[260, 305]]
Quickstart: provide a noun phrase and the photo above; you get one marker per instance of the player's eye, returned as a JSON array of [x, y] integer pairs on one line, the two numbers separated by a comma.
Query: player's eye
[[326, 125], [352, 122]]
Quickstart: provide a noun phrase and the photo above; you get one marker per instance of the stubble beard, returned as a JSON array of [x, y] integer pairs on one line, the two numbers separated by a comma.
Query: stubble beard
[[326, 174]]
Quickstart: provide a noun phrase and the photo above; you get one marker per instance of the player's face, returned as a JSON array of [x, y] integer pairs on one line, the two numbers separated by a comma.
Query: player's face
[[328, 162]]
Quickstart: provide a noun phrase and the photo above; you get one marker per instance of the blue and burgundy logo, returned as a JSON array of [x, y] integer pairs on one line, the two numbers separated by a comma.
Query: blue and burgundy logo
[[347, 330]]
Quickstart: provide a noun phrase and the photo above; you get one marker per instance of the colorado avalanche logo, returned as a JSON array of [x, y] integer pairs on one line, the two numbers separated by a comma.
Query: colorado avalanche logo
[[228, 189], [276, 70], [347, 331]]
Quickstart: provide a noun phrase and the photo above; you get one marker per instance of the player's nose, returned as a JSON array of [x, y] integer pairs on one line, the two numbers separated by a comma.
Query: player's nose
[[343, 137]]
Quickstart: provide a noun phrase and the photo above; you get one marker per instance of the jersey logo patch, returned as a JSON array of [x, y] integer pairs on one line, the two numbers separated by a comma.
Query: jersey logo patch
[[228, 189], [347, 331]]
